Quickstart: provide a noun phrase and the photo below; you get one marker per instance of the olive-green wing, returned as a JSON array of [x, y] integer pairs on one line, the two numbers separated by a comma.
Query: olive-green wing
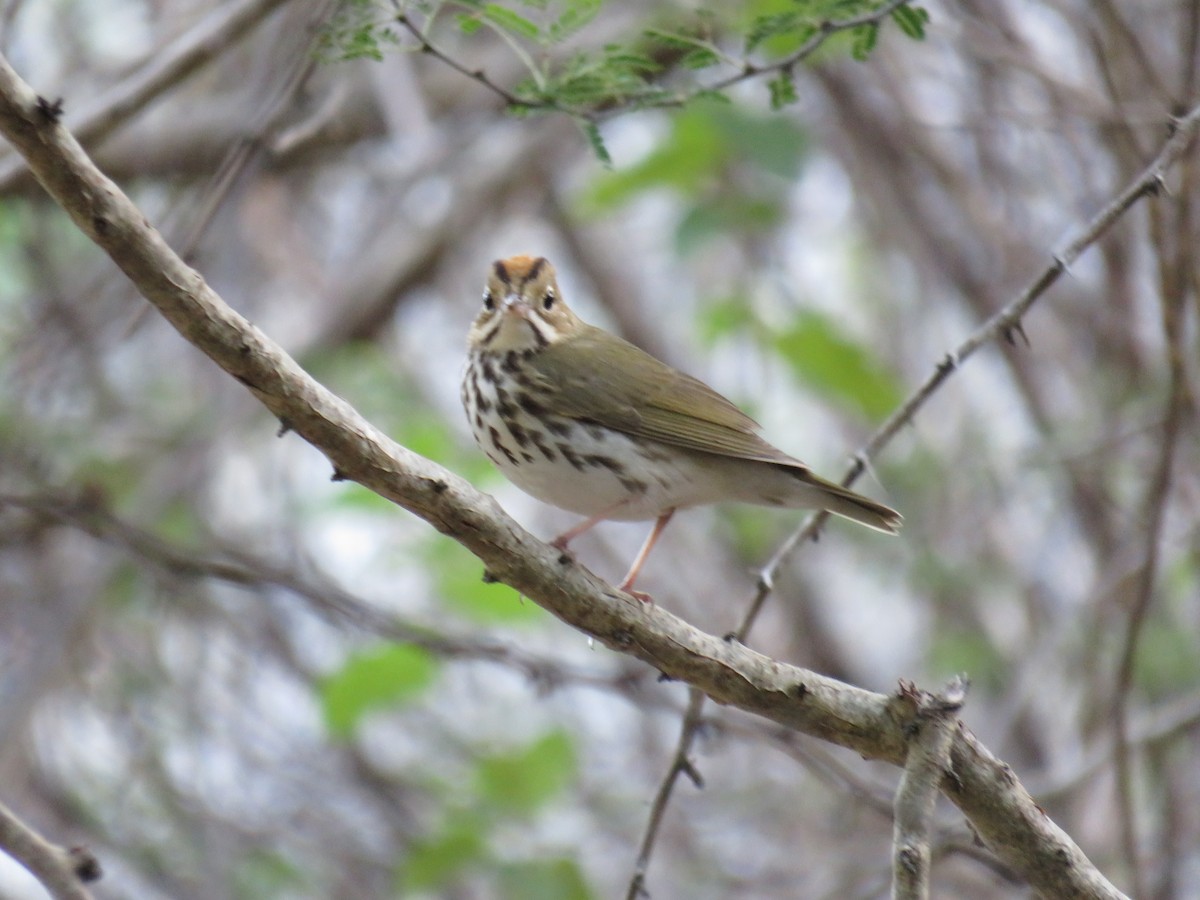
[[595, 375]]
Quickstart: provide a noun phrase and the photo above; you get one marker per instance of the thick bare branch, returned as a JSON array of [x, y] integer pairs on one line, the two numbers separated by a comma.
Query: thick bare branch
[[916, 797]]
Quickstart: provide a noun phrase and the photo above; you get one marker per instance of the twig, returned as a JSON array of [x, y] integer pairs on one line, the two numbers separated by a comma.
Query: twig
[[1172, 298], [90, 515], [62, 871], [746, 69], [1005, 323], [510, 99], [680, 765], [988, 793], [933, 727]]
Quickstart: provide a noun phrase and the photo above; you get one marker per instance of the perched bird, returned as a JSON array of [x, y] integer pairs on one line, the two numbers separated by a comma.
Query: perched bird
[[587, 422]]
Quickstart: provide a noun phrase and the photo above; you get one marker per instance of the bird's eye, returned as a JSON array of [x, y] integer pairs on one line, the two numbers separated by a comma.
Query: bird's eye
[[489, 302], [548, 301]]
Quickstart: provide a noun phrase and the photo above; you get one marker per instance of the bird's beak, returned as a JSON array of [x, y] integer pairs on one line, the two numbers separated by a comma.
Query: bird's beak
[[515, 304]]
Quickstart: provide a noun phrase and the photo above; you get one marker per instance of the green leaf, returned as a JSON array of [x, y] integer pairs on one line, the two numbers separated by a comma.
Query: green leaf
[[505, 18], [556, 879], [592, 131], [577, 14], [684, 161], [773, 25], [522, 782], [829, 361], [382, 676], [699, 58], [911, 20], [468, 23], [435, 861], [783, 89], [863, 41], [724, 215], [773, 143], [460, 583], [724, 318], [263, 874]]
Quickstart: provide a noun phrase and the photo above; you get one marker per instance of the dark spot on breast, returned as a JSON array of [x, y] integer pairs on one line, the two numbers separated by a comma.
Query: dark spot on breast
[[570, 455], [540, 442], [530, 405], [518, 434], [501, 446], [504, 406], [633, 485], [558, 427]]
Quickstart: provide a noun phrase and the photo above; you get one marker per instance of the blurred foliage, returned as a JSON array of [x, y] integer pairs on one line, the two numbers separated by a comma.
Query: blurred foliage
[[725, 162], [508, 788], [460, 583], [372, 679], [656, 67]]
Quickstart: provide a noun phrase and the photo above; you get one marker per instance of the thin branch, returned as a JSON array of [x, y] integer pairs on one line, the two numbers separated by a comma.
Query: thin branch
[[1004, 323], [88, 514], [746, 69], [165, 67], [1001, 811], [680, 765], [509, 98], [928, 762], [62, 871], [1172, 297]]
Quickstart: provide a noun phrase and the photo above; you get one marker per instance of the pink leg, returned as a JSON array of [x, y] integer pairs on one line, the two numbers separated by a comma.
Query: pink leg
[[560, 542], [627, 584]]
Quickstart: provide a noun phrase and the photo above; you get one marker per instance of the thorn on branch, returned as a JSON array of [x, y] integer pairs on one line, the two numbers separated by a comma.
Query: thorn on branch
[[338, 475], [284, 427], [948, 364], [685, 766], [439, 486], [1016, 329], [766, 582], [84, 864], [489, 578], [664, 678], [729, 637], [51, 111], [800, 690]]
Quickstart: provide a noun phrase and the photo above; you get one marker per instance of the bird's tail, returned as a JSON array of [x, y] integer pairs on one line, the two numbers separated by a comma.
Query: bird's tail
[[845, 502]]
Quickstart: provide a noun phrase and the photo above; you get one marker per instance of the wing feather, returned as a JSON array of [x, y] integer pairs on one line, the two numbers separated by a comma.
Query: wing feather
[[593, 375]]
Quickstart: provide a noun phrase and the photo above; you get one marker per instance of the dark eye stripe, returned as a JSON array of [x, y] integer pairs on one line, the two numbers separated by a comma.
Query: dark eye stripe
[[536, 324]]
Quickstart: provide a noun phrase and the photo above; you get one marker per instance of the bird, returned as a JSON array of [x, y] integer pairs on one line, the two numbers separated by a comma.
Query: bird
[[588, 422]]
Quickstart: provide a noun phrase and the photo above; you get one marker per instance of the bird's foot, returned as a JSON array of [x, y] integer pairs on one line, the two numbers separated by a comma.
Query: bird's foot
[[627, 587]]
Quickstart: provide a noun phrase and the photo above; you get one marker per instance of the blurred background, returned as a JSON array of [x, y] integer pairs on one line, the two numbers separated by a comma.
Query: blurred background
[[233, 678]]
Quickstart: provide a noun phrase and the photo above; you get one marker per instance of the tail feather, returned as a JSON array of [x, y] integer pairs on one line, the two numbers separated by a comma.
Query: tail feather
[[845, 502]]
